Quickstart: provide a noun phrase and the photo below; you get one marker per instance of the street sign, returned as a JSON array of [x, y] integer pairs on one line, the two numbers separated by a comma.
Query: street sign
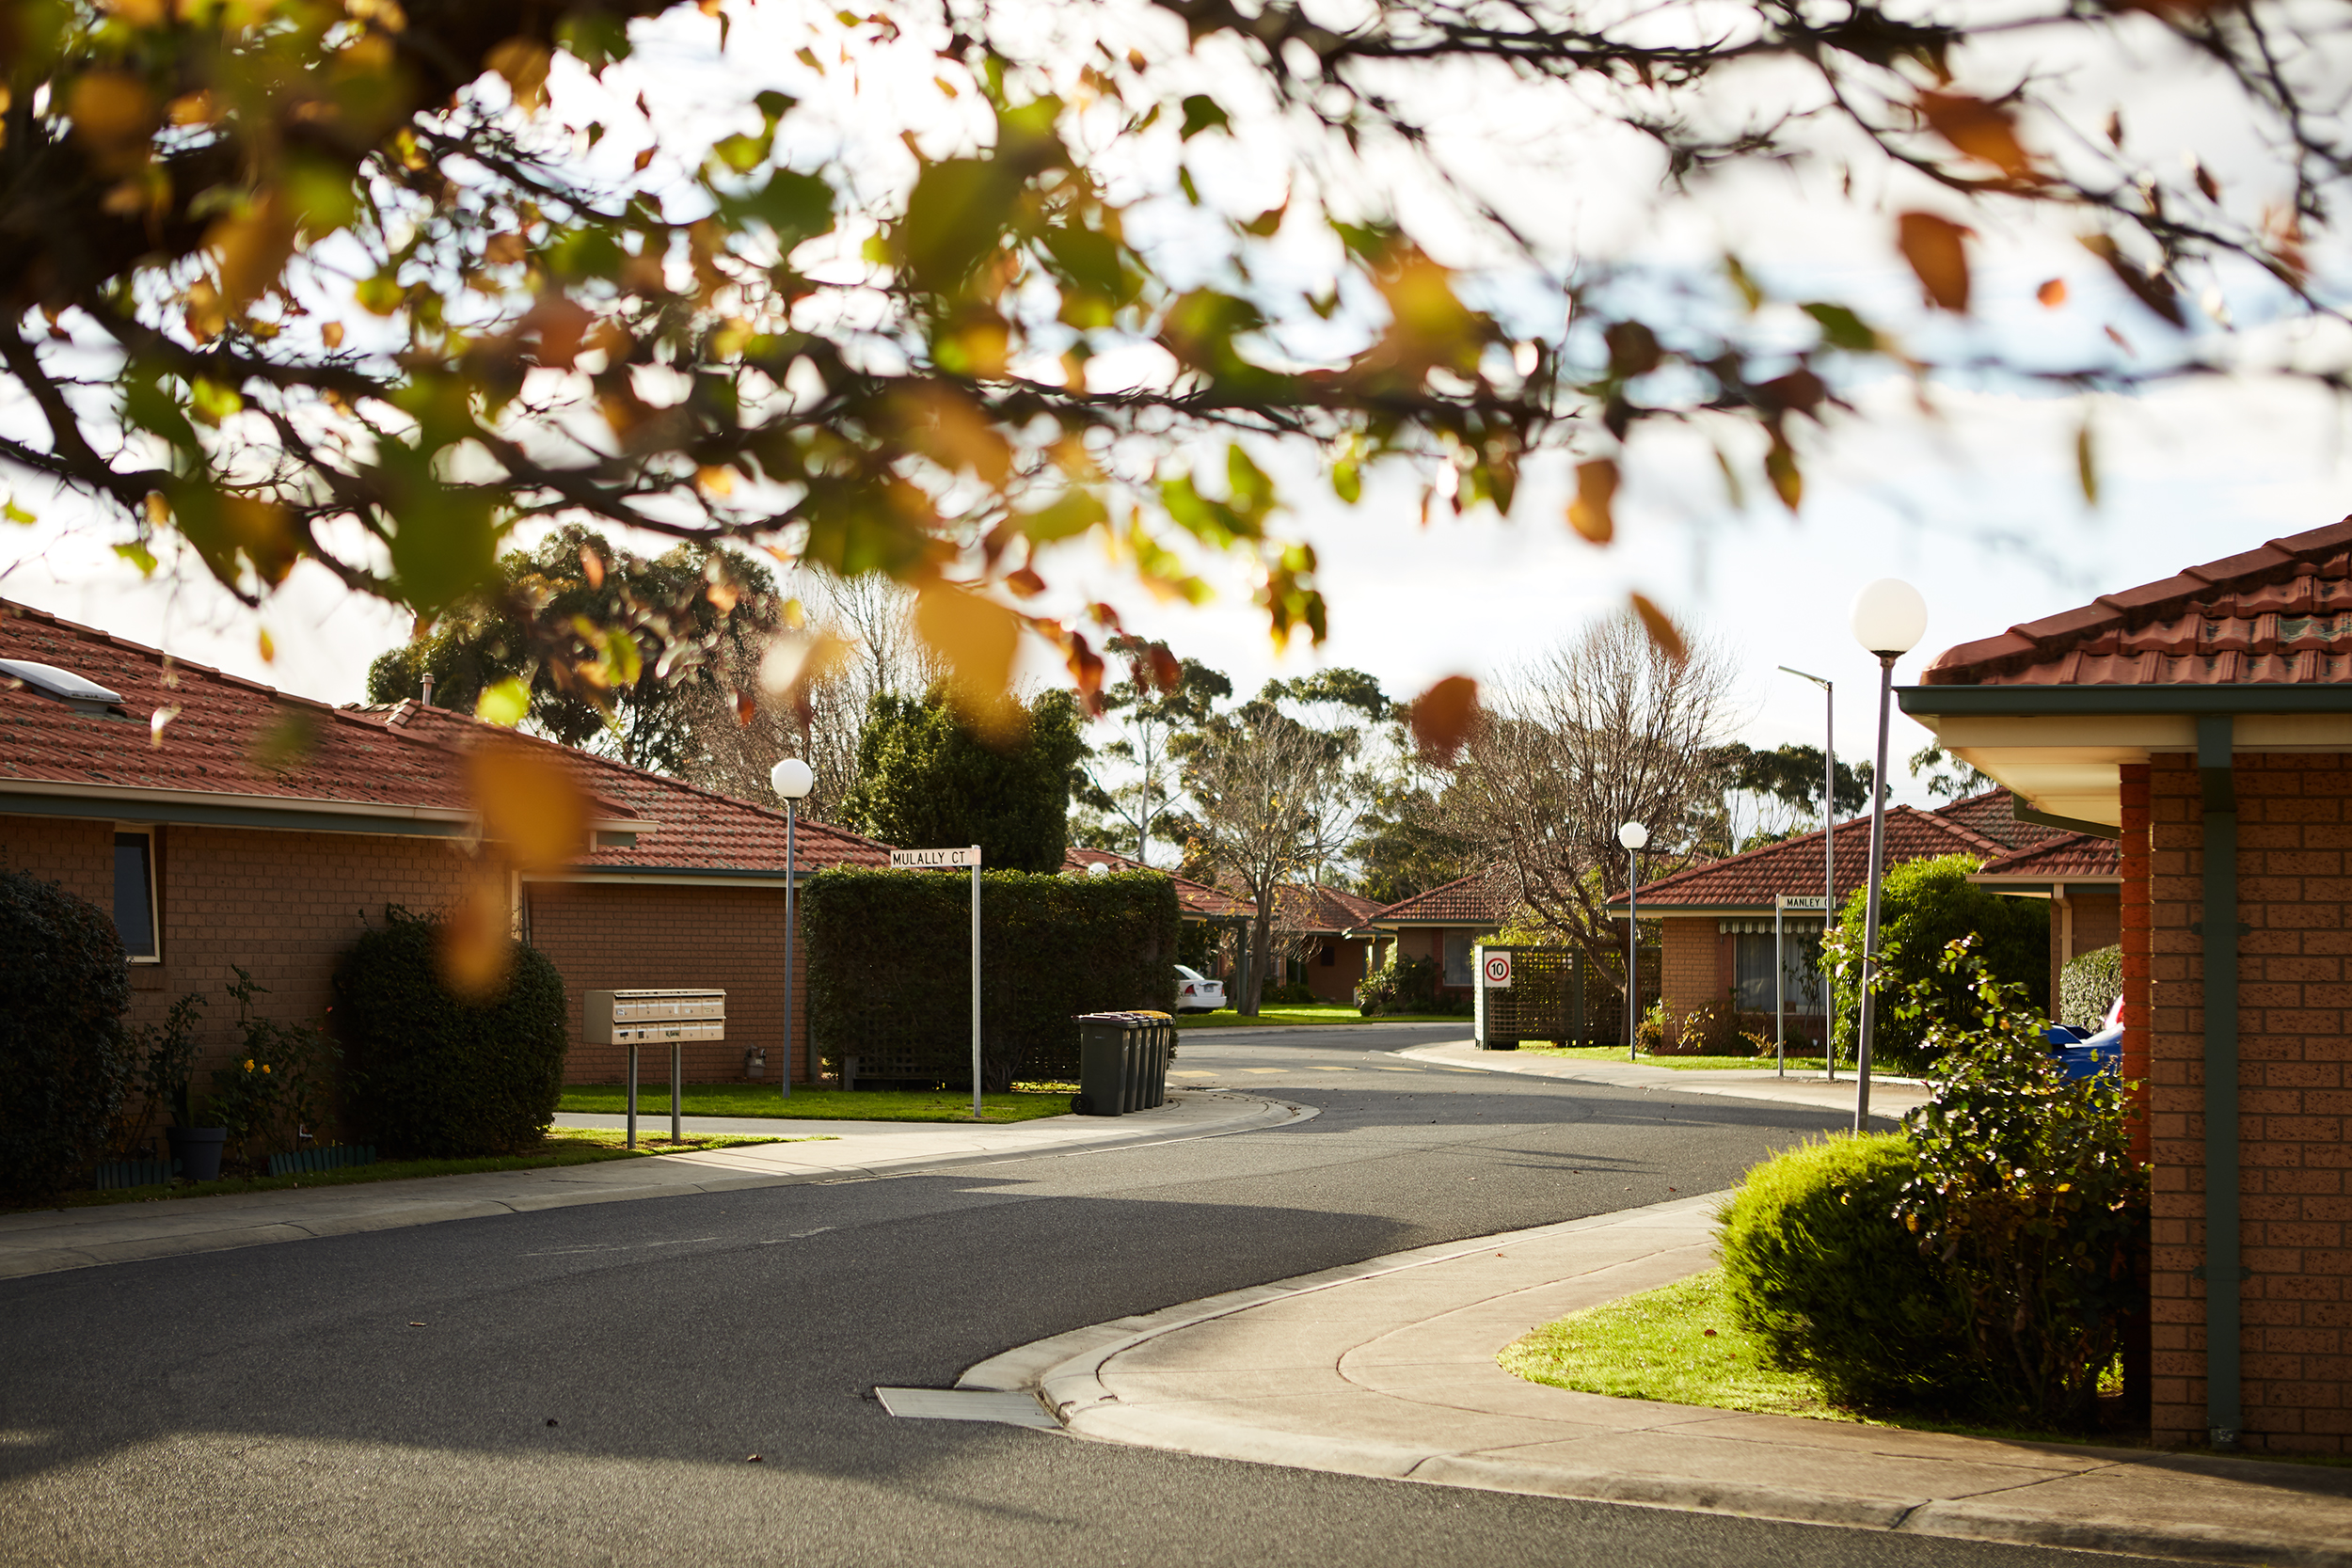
[[1499, 970], [935, 860], [1801, 901]]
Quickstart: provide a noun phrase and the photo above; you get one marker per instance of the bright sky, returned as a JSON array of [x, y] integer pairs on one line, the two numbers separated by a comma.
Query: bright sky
[[1977, 504]]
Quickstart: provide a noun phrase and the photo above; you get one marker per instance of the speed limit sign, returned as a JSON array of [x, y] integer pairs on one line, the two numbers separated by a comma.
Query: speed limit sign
[[1499, 970]]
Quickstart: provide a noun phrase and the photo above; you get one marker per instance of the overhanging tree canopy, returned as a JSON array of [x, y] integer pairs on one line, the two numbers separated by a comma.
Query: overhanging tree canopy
[[370, 283]]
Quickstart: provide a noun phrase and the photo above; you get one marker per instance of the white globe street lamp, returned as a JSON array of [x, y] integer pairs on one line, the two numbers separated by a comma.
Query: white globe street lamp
[[1633, 836], [1889, 618], [792, 779]]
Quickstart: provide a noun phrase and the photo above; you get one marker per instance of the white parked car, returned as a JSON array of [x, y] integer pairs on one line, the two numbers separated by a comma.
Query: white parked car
[[1195, 992]]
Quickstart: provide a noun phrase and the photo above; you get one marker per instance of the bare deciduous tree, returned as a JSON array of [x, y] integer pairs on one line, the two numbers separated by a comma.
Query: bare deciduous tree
[[808, 696], [1272, 808], [1605, 729]]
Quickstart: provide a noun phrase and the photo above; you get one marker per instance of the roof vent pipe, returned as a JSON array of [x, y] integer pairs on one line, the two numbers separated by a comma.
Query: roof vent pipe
[[428, 689]]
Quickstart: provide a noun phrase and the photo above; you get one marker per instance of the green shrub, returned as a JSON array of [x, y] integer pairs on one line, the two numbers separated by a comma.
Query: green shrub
[[1399, 986], [1924, 907], [431, 1075], [274, 1089], [2028, 1197], [1820, 1270], [2089, 985], [890, 967], [1294, 993], [65, 1059]]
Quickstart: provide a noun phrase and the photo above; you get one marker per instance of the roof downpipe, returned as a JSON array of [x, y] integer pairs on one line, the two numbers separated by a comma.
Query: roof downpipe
[[2223, 1271]]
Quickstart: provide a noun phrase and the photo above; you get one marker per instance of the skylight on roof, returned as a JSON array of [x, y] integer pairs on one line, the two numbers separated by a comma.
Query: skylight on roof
[[81, 695]]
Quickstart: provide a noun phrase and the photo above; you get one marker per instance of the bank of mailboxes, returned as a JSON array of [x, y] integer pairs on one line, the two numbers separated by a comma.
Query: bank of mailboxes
[[654, 1017]]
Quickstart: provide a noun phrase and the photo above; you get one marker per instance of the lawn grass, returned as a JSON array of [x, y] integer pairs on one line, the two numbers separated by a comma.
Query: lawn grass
[[815, 1104], [1292, 1015], [1681, 1063], [1657, 1345], [563, 1146]]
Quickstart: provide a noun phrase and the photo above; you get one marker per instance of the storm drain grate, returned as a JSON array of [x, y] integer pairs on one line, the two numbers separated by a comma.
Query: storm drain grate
[[967, 1405]]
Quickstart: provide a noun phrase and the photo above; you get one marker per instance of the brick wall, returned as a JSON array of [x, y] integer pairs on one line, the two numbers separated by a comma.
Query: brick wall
[[282, 904], [610, 937], [1690, 964], [2294, 827]]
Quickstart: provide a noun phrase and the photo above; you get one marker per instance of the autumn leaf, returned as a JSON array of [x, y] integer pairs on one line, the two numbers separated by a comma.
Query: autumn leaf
[[477, 939], [1595, 489], [2052, 293], [2151, 290], [531, 806], [1780, 467], [1983, 130], [977, 638], [524, 64], [1664, 634], [1442, 718], [1934, 248]]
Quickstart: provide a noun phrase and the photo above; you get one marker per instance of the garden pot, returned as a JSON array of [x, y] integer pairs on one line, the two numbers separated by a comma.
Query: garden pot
[[198, 1149]]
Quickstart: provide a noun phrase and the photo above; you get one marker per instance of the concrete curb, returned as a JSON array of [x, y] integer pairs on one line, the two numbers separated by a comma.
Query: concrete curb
[[1890, 1097], [54, 1240], [1066, 1373]]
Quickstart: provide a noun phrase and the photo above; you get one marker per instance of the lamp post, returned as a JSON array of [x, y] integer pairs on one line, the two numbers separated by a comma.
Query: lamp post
[[1888, 618], [1633, 836], [792, 780], [1829, 860]]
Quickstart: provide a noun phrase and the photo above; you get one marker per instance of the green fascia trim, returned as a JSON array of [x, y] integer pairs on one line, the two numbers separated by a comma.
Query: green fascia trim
[[1971, 702], [590, 868], [228, 816]]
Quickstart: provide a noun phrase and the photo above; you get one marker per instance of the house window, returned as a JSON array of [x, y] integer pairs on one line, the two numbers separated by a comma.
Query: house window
[[1330, 954], [1752, 972], [134, 895], [1459, 951]]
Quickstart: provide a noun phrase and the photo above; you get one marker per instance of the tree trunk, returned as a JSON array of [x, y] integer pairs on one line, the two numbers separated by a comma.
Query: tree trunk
[[1260, 955]]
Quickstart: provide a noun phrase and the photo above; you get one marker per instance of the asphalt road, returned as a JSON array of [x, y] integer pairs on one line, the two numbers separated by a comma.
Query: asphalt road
[[588, 1385]]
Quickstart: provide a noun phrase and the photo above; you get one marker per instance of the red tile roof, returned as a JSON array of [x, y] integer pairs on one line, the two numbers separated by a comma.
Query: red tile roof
[[1793, 866], [2279, 614], [1994, 814], [1194, 900], [1321, 909], [2066, 856], [391, 763], [1485, 898]]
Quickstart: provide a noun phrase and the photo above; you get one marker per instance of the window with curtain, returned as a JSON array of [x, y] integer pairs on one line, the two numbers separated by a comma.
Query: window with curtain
[[1752, 971]]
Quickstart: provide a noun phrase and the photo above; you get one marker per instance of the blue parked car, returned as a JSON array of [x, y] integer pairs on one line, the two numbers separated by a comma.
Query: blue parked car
[[2081, 1054]]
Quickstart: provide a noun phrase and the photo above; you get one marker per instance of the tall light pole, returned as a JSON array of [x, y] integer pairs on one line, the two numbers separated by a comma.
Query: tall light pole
[[1889, 618], [792, 780], [1829, 860], [1633, 836]]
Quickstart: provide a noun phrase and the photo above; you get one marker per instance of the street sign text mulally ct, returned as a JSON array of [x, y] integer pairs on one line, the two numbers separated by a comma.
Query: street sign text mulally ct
[[935, 860]]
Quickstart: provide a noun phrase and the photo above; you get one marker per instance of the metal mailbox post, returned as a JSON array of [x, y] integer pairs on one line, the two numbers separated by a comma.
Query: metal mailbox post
[[635, 1018]]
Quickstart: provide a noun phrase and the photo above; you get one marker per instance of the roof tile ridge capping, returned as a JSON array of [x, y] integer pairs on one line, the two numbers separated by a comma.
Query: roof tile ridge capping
[[1967, 663], [14, 609], [1709, 869], [644, 775]]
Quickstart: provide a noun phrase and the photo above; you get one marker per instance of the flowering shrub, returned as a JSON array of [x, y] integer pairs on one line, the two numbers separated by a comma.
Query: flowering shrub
[[272, 1093]]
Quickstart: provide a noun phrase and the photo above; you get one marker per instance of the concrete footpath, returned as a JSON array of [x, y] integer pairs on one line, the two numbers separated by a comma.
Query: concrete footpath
[[48, 1241], [1889, 1097], [1387, 1369]]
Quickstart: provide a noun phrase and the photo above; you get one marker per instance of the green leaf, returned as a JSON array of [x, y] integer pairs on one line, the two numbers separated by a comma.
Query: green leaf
[[1091, 258], [1072, 512], [16, 513], [1348, 480], [506, 703], [797, 206], [135, 553], [955, 216], [1842, 328], [596, 38], [743, 152], [1202, 113]]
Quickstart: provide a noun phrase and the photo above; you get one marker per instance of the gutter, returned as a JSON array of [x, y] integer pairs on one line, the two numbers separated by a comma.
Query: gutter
[[2031, 701], [2223, 1271]]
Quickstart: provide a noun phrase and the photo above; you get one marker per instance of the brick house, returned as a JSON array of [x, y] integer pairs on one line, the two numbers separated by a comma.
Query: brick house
[[1447, 921], [1715, 921], [2205, 722], [1336, 943], [223, 823]]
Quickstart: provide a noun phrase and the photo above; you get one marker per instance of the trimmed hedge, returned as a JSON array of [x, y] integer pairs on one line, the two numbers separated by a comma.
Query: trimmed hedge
[[890, 967], [2089, 985], [1819, 1268], [428, 1074], [65, 1059]]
